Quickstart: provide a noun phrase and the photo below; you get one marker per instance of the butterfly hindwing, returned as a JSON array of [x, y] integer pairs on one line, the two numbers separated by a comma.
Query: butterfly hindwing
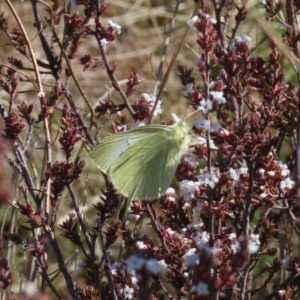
[[145, 170]]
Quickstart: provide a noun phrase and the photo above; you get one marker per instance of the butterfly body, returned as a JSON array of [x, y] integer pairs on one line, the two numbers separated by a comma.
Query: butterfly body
[[141, 162]]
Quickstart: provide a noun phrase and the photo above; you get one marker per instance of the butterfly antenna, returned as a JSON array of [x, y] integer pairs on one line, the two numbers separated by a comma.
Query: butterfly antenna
[[170, 67], [193, 112]]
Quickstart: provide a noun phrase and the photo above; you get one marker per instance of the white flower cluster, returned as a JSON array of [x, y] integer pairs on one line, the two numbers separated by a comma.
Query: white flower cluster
[[202, 123], [254, 243], [206, 105], [191, 159], [151, 100], [189, 187], [235, 173], [116, 26], [208, 179], [281, 170], [127, 292], [202, 141], [135, 263], [243, 38], [170, 194]]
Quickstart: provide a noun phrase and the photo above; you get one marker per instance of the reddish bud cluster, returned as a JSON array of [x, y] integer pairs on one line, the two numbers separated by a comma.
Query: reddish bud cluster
[[142, 109], [13, 126], [73, 23], [3, 22], [133, 82], [105, 32], [88, 62]]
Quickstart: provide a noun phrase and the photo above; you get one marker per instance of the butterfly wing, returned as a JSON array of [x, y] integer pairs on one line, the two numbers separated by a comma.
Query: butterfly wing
[[141, 162], [111, 147]]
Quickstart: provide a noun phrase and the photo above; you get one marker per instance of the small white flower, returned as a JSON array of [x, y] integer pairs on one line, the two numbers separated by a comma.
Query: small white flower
[[192, 260], [116, 266], [188, 89], [261, 171], [205, 106], [188, 189], [158, 109], [287, 184], [190, 252], [191, 159], [140, 245], [235, 173], [104, 43], [238, 40], [115, 25], [243, 170], [271, 173], [170, 192], [254, 243], [235, 247], [128, 292], [202, 141], [218, 96], [242, 38], [192, 21], [201, 123], [202, 289], [202, 238], [284, 169], [153, 266], [232, 236], [151, 99], [208, 179], [41, 94], [195, 224]]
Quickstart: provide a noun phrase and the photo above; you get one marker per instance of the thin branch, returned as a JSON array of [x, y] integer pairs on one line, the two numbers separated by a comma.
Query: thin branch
[[107, 261], [61, 263]]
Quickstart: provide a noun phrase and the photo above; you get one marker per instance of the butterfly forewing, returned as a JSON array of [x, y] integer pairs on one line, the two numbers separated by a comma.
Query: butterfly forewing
[[109, 149]]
